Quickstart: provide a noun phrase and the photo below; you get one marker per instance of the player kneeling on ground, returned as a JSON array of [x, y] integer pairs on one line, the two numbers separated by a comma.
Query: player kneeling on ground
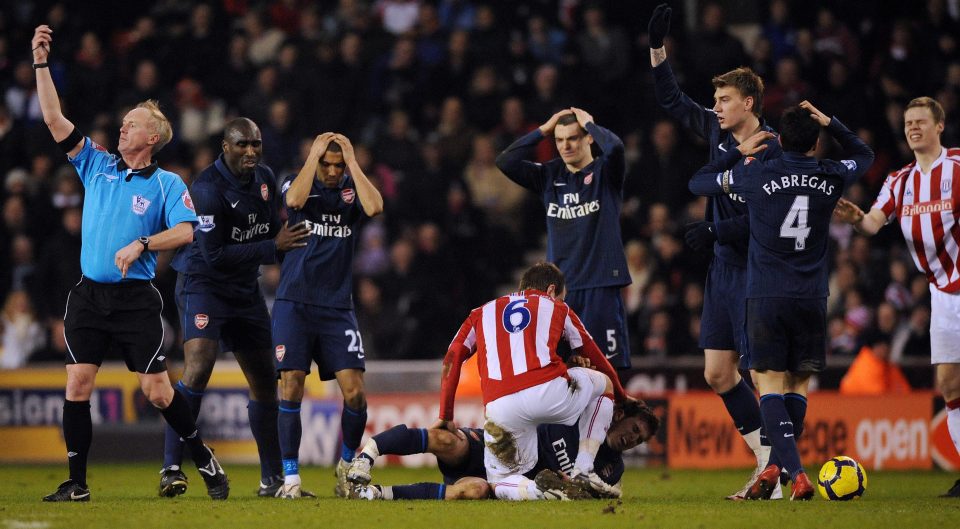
[[460, 460]]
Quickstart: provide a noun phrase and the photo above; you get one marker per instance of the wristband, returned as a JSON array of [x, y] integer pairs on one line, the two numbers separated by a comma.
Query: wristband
[[37, 66]]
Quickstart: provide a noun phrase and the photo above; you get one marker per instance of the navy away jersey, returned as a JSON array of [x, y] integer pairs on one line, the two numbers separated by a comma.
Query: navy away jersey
[[235, 235], [727, 211], [557, 447], [321, 273], [583, 208], [790, 202]]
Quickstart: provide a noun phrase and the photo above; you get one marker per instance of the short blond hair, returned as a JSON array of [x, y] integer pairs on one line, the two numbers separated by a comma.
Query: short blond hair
[[160, 124], [928, 102]]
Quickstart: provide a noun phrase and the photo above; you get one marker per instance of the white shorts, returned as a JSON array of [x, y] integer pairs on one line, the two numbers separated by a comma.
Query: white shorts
[[944, 327], [558, 401]]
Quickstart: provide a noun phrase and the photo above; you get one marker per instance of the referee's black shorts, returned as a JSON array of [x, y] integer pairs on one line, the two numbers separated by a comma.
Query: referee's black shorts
[[122, 315]]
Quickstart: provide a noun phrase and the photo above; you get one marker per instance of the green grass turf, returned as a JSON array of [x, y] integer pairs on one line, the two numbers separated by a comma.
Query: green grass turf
[[125, 496]]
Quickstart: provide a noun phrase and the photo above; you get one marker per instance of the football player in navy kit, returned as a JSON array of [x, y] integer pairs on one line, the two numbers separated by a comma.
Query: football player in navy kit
[[313, 318], [583, 196], [734, 116], [221, 306], [460, 457], [790, 202]]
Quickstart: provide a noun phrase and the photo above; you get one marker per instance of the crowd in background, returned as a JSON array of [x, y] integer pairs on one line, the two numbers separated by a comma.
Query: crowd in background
[[430, 92]]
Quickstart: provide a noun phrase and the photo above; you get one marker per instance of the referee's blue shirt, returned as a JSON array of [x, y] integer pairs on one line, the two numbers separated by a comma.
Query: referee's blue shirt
[[117, 211]]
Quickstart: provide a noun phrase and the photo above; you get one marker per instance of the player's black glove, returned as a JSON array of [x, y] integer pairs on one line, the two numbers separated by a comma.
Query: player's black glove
[[701, 235], [659, 25]]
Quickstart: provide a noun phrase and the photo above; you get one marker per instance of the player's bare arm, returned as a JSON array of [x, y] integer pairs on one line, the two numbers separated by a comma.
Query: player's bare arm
[[755, 143], [657, 30], [865, 223], [370, 198], [290, 237], [547, 128], [169, 239], [60, 127], [300, 187]]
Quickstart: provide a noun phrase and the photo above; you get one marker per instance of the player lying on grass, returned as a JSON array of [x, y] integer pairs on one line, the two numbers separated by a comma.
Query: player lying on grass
[[460, 460]]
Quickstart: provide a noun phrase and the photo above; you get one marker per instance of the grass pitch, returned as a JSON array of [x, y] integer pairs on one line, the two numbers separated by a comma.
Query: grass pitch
[[125, 496]]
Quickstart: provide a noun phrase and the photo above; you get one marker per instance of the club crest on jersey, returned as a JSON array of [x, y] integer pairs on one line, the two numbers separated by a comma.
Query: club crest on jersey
[[264, 191], [187, 201], [946, 185], [280, 351], [347, 195], [587, 180], [140, 204], [748, 160], [200, 321]]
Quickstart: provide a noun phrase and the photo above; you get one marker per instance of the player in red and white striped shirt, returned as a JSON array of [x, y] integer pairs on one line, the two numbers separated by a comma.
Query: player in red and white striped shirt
[[924, 197], [524, 383]]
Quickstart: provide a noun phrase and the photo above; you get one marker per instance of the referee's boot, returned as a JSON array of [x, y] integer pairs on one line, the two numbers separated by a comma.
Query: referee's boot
[[69, 490], [218, 486], [173, 482]]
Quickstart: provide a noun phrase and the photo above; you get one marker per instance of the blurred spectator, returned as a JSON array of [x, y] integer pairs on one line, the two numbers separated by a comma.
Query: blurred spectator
[[872, 372], [265, 40], [22, 333], [712, 49]]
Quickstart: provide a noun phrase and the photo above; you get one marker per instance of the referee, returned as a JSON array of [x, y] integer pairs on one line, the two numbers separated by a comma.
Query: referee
[[131, 210]]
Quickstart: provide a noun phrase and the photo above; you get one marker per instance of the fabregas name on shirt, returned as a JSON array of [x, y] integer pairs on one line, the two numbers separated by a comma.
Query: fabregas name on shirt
[[785, 182]]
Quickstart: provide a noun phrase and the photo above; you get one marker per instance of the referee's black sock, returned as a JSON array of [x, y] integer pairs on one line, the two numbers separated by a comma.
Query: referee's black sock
[[180, 418], [77, 433]]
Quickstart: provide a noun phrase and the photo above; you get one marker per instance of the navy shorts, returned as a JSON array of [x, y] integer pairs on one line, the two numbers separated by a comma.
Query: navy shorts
[[786, 334], [238, 324], [603, 314], [303, 333], [472, 467], [724, 308]]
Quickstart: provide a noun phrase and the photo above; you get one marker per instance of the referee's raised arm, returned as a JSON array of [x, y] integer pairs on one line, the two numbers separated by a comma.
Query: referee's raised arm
[[60, 127]]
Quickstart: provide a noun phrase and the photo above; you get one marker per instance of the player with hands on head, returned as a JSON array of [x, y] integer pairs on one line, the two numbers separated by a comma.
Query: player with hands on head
[[583, 197], [733, 117], [219, 298], [147, 209], [790, 200], [313, 317]]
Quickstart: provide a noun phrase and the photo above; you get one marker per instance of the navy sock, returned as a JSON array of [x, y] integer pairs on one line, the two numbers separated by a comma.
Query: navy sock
[[172, 445], [180, 417], [263, 425], [419, 491], [797, 409], [402, 441], [780, 431], [742, 406], [290, 431], [352, 424], [77, 433]]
